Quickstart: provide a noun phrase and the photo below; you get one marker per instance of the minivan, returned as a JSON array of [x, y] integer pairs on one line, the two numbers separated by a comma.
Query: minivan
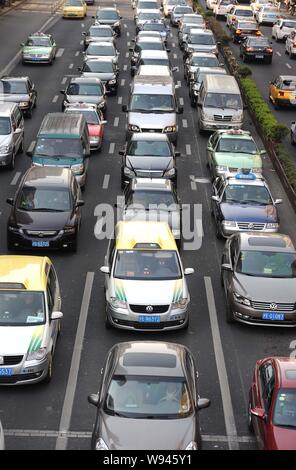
[[11, 133], [63, 141], [219, 104]]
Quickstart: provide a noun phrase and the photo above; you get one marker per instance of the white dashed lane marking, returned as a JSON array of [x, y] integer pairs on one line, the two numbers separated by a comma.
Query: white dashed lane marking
[[112, 147], [106, 181], [60, 52]]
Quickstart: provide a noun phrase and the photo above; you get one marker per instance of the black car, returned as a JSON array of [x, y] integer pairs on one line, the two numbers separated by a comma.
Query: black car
[[148, 156], [20, 90], [148, 398], [105, 70], [109, 16], [45, 211], [145, 44], [256, 48]]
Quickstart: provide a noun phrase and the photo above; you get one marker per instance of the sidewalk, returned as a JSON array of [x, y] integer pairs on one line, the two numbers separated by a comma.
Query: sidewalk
[[10, 5]]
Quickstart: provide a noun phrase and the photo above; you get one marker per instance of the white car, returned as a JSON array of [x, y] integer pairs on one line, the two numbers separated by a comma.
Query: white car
[[168, 6], [146, 5], [146, 15], [256, 4], [221, 8], [267, 14], [98, 50], [238, 12], [291, 45], [282, 28], [210, 4]]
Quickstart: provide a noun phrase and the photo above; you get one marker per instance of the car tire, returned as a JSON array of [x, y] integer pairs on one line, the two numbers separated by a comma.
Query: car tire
[[276, 105], [9, 245], [12, 163], [229, 314], [245, 60], [277, 39], [74, 246], [186, 325], [218, 231], [21, 147], [250, 419], [108, 325], [292, 139], [268, 60], [192, 102], [291, 55], [29, 113], [48, 377]]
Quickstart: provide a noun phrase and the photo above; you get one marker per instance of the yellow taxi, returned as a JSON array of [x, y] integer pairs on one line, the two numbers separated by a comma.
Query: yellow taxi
[[74, 9], [282, 91], [30, 304]]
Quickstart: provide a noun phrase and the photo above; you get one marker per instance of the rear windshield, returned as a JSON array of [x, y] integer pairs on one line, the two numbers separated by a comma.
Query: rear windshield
[[99, 67], [13, 88], [205, 39], [100, 32], [223, 100]]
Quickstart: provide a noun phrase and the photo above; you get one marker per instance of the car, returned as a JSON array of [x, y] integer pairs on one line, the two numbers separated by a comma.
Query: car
[[272, 403], [95, 122], [243, 202], [109, 16], [86, 90], [97, 50], [143, 269], [74, 9], [259, 279], [267, 15], [152, 58], [177, 12], [183, 32], [282, 91], [104, 69], [29, 319], [148, 34], [11, 134], [169, 5], [39, 48], [97, 33], [146, 387], [290, 45], [146, 15], [228, 151], [199, 59], [197, 78], [200, 40], [2, 440], [256, 4], [240, 29], [157, 26], [221, 8], [282, 28], [145, 44], [148, 155], [20, 90], [238, 12], [153, 199], [146, 5], [192, 18], [256, 48], [210, 4], [46, 211]]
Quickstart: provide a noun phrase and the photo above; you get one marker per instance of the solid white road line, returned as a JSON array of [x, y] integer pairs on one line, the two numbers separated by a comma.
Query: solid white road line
[[221, 367], [60, 52], [112, 147], [64, 80], [289, 66], [15, 178], [61, 443], [188, 149], [119, 101], [55, 98], [106, 181], [116, 121], [184, 122]]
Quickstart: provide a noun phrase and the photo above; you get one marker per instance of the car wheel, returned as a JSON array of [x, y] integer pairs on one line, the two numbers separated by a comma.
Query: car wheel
[[192, 102], [229, 314], [291, 55], [292, 138], [250, 418], [9, 245], [12, 163], [21, 147], [49, 371], [218, 231], [186, 325], [30, 113], [244, 58], [35, 102], [221, 280], [276, 105], [108, 325], [277, 38], [59, 328]]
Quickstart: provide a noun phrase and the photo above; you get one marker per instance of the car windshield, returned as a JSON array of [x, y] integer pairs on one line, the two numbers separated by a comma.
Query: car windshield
[[267, 264], [21, 308], [193, 19], [284, 414], [148, 397], [149, 265], [100, 32], [182, 9], [154, 62], [91, 116], [223, 100], [38, 41], [259, 42], [204, 39], [147, 5], [153, 27], [98, 67], [143, 148], [288, 85], [145, 15], [149, 46], [173, 2], [249, 26], [205, 61], [74, 3], [86, 89], [248, 13], [237, 146], [71, 148], [13, 88], [5, 127], [152, 200], [108, 15], [101, 50], [247, 194], [34, 199], [152, 103]]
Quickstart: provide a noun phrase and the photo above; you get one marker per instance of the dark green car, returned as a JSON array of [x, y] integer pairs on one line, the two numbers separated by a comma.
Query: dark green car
[[39, 48]]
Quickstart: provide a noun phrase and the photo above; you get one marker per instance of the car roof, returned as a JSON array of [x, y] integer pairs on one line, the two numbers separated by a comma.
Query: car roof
[[154, 55], [153, 358], [203, 54], [85, 80], [266, 242], [15, 79], [200, 31], [23, 272], [240, 180], [242, 7], [154, 235], [286, 367], [153, 136], [154, 70], [222, 82], [47, 176], [210, 70], [6, 108], [159, 184]]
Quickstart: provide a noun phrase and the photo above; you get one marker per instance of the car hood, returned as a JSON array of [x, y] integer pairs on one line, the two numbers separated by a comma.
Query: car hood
[[127, 433], [37, 50], [263, 289], [109, 22], [172, 217], [238, 160], [202, 47], [65, 162], [99, 38], [103, 76], [18, 340], [5, 140], [13, 98], [282, 438], [139, 292], [249, 213], [85, 99], [152, 120], [42, 220], [149, 163]]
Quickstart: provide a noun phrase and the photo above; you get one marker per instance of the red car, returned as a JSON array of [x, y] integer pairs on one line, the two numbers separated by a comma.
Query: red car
[[272, 403]]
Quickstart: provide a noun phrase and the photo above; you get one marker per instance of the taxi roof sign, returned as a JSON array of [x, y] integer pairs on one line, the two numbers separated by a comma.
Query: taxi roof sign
[[246, 175]]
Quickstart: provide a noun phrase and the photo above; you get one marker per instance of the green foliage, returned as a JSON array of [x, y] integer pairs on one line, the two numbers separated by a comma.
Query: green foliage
[[287, 164], [244, 71]]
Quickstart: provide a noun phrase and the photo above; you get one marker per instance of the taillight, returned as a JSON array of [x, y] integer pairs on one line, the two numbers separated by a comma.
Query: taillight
[[238, 31], [268, 49], [258, 33], [281, 93], [249, 49], [294, 44]]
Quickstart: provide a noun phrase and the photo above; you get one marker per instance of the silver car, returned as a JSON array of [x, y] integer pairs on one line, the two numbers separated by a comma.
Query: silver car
[[95, 50], [200, 40], [146, 15], [98, 33], [11, 133], [178, 11]]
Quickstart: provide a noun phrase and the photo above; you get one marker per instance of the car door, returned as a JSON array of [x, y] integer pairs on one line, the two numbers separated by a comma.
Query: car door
[[76, 196], [265, 387], [109, 258], [231, 257], [15, 135], [211, 147], [18, 117], [218, 188], [54, 302]]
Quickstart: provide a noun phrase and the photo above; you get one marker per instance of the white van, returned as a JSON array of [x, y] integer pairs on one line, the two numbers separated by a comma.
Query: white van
[[220, 104]]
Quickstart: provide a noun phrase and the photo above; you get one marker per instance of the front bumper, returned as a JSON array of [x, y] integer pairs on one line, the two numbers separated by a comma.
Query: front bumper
[[228, 231], [214, 125], [171, 135], [95, 144], [284, 102], [5, 159], [37, 60], [57, 242], [251, 316], [73, 14], [26, 373]]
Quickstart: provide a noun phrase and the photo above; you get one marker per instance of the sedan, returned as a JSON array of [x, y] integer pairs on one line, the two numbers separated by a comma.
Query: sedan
[[109, 16], [86, 90], [74, 9], [146, 15], [95, 50], [104, 69], [145, 44], [39, 48], [148, 398], [290, 46], [200, 40], [157, 26], [177, 13], [199, 59], [240, 29], [256, 48], [282, 91], [282, 28], [97, 33], [20, 90]]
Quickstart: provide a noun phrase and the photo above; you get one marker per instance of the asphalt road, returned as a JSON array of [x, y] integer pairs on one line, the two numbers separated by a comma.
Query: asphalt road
[[42, 416]]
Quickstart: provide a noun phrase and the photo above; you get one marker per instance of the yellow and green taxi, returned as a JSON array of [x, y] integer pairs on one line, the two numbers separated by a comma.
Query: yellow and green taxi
[[282, 91], [39, 47], [145, 281], [228, 151], [30, 315], [74, 9]]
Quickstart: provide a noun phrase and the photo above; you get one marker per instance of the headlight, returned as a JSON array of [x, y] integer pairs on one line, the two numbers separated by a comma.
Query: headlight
[[272, 225], [5, 148], [116, 303], [37, 355], [133, 128], [191, 446], [112, 82], [69, 230], [14, 229], [101, 444], [24, 103], [229, 223], [170, 129], [241, 300], [77, 169], [45, 56], [128, 172], [117, 23], [180, 304], [102, 104], [176, 233], [170, 172]]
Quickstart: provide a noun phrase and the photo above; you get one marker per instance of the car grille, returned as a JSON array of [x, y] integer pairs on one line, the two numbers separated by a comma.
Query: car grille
[[149, 174], [9, 360], [151, 130], [250, 226], [142, 309], [41, 233], [149, 326], [218, 117], [272, 306], [19, 377]]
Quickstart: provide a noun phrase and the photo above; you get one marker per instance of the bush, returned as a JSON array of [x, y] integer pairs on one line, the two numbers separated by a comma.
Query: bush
[[287, 164], [244, 71]]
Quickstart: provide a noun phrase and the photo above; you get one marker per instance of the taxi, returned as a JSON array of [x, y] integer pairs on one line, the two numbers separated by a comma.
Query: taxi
[[39, 48], [74, 9], [230, 150], [145, 281], [29, 319], [243, 202], [282, 91]]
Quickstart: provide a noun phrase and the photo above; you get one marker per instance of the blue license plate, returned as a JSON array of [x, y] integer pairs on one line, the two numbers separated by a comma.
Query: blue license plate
[[273, 316], [40, 244], [149, 318], [5, 371]]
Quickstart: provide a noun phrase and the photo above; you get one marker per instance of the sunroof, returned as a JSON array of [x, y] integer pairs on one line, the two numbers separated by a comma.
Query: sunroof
[[267, 241], [290, 374], [149, 360]]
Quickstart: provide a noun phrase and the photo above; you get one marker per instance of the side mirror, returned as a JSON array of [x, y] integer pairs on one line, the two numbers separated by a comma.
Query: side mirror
[[188, 271], [63, 92], [105, 269], [262, 152], [29, 153], [83, 33], [18, 130], [210, 148], [94, 17], [121, 152], [168, 50], [79, 69], [56, 315], [79, 203], [203, 403], [258, 413], [10, 201], [226, 267], [177, 154], [180, 110], [124, 108], [103, 122], [278, 201], [22, 44], [218, 43], [175, 69], [130, 49], [215, 198], [93, 399]]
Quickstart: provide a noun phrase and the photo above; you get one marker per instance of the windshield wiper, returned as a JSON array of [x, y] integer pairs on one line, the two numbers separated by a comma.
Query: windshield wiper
[[46, 209], [253, 201]]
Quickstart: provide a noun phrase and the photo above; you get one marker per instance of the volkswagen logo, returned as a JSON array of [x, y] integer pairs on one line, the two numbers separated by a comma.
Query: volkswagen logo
[[273, 306], [149, 309], [251, 226], [1, 360]]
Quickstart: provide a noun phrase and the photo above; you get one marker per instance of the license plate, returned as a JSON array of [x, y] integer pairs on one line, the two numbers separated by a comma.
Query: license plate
[[259, 56], [40, 244], [149, 318], [273, 316], [5, 371]]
